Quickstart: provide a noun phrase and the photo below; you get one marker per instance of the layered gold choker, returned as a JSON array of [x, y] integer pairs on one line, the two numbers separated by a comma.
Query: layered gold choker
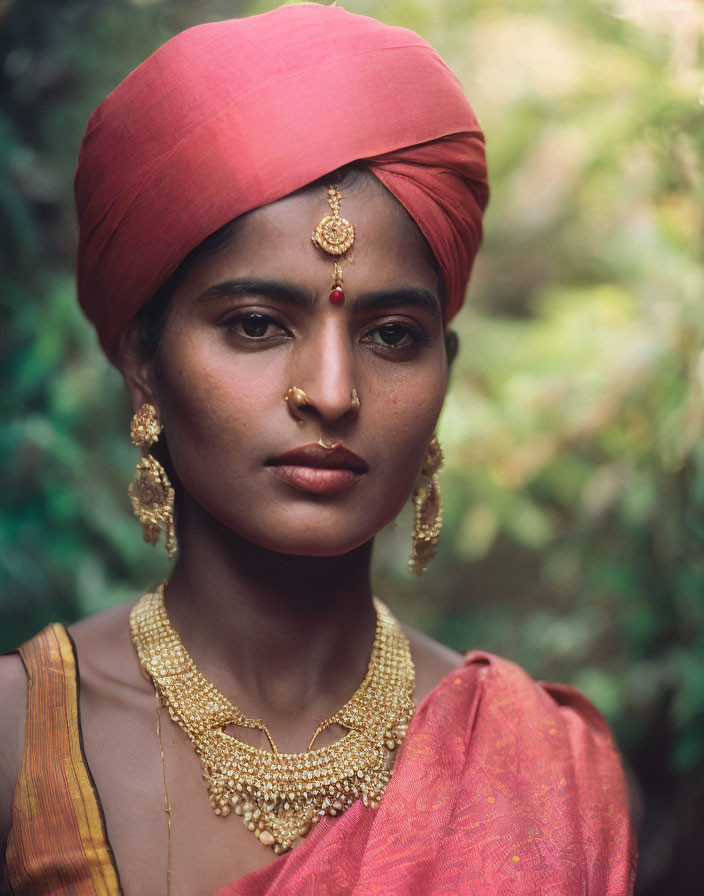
[[280, 795]]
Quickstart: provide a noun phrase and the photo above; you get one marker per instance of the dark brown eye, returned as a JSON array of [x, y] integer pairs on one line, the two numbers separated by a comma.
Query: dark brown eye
[[392, 334], [255, 324]]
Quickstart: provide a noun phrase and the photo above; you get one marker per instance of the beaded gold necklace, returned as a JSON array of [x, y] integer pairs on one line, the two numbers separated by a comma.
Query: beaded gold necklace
[[280, 795]]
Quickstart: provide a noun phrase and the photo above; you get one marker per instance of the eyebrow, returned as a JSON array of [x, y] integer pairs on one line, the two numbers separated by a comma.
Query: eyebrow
[[414, 296], [247, 286]]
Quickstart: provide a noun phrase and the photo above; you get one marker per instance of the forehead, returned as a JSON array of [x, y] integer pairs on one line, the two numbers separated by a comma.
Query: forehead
[[276, 238]]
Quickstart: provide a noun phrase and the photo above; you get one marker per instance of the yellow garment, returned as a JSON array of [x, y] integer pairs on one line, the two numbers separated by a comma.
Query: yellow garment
[[58, 842]]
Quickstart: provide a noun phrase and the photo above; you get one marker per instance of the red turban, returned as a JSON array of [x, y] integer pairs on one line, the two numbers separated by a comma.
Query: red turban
[[233, 115]]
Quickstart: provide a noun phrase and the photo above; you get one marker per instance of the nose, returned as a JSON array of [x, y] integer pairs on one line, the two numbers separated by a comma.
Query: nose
[[324, 369]]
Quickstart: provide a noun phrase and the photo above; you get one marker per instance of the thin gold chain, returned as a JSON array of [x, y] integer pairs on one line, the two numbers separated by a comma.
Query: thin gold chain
[[167, 804]]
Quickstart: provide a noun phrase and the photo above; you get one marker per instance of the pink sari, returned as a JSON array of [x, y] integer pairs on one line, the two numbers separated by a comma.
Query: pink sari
[[503, 786]]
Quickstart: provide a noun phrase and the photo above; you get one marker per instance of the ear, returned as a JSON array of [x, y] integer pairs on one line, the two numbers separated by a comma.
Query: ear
[[452, 345], [137, 368]]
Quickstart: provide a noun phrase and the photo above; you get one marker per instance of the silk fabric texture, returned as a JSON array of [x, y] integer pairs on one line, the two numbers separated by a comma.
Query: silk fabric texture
[[503, 786], [230, 116]]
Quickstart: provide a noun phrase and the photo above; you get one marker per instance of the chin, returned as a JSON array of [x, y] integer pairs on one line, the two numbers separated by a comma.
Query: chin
[[308, 545], [318, 531]]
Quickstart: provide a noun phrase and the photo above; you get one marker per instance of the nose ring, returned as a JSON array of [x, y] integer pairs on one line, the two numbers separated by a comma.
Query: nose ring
[[296, 399], [328, 446]]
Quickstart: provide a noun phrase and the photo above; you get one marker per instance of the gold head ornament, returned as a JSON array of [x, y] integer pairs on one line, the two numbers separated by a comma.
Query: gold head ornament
[[334, 235]]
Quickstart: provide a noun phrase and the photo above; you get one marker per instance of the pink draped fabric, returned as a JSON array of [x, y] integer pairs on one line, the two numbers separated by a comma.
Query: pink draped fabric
[[503, 787]]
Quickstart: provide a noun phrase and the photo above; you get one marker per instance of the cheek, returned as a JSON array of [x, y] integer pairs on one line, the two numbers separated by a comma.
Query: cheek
[[207, 408], [411, 399], [403, 413]]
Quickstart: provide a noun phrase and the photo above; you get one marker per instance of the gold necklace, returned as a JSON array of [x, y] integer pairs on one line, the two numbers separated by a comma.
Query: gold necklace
[[280, 795]]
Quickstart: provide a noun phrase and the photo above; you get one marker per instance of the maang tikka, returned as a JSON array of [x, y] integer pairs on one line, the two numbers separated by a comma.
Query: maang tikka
[[427, 502], [334, 235], [150, 491]]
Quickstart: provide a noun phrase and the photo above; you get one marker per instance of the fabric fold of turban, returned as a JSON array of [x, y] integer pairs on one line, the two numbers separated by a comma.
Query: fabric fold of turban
[[233, 115]]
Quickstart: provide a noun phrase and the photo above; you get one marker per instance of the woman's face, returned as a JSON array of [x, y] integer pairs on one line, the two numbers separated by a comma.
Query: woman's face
[[253, 320]]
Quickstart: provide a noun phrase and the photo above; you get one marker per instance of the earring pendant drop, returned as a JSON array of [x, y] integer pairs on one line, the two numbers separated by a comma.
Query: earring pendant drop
[[151, 493], [428, 512], [337, 295]]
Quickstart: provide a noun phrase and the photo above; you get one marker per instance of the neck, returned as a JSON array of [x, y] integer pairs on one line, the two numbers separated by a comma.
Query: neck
[[278, 633]]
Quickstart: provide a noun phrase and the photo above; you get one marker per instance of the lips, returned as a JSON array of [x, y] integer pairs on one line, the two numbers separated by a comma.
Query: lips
[[318, 470]]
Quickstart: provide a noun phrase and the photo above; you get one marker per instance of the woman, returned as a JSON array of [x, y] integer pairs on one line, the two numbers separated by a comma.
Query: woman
[[278, 217]]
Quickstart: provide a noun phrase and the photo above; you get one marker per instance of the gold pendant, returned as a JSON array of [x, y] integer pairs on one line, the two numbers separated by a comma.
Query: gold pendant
[[334, 234]]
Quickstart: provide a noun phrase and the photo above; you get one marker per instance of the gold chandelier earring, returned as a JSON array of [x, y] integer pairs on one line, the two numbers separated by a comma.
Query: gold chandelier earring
[[428, 511], [150, 491]]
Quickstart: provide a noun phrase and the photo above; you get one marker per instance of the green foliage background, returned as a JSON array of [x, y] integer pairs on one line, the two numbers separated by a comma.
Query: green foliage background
[[574, 484]]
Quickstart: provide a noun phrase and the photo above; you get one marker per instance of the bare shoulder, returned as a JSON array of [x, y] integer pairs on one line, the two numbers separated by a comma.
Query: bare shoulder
[[433, 661], [106, 656], [103, 633], [13, 703]]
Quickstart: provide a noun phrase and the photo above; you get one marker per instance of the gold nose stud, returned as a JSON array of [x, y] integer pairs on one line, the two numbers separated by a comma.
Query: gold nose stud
[[296, 399]]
